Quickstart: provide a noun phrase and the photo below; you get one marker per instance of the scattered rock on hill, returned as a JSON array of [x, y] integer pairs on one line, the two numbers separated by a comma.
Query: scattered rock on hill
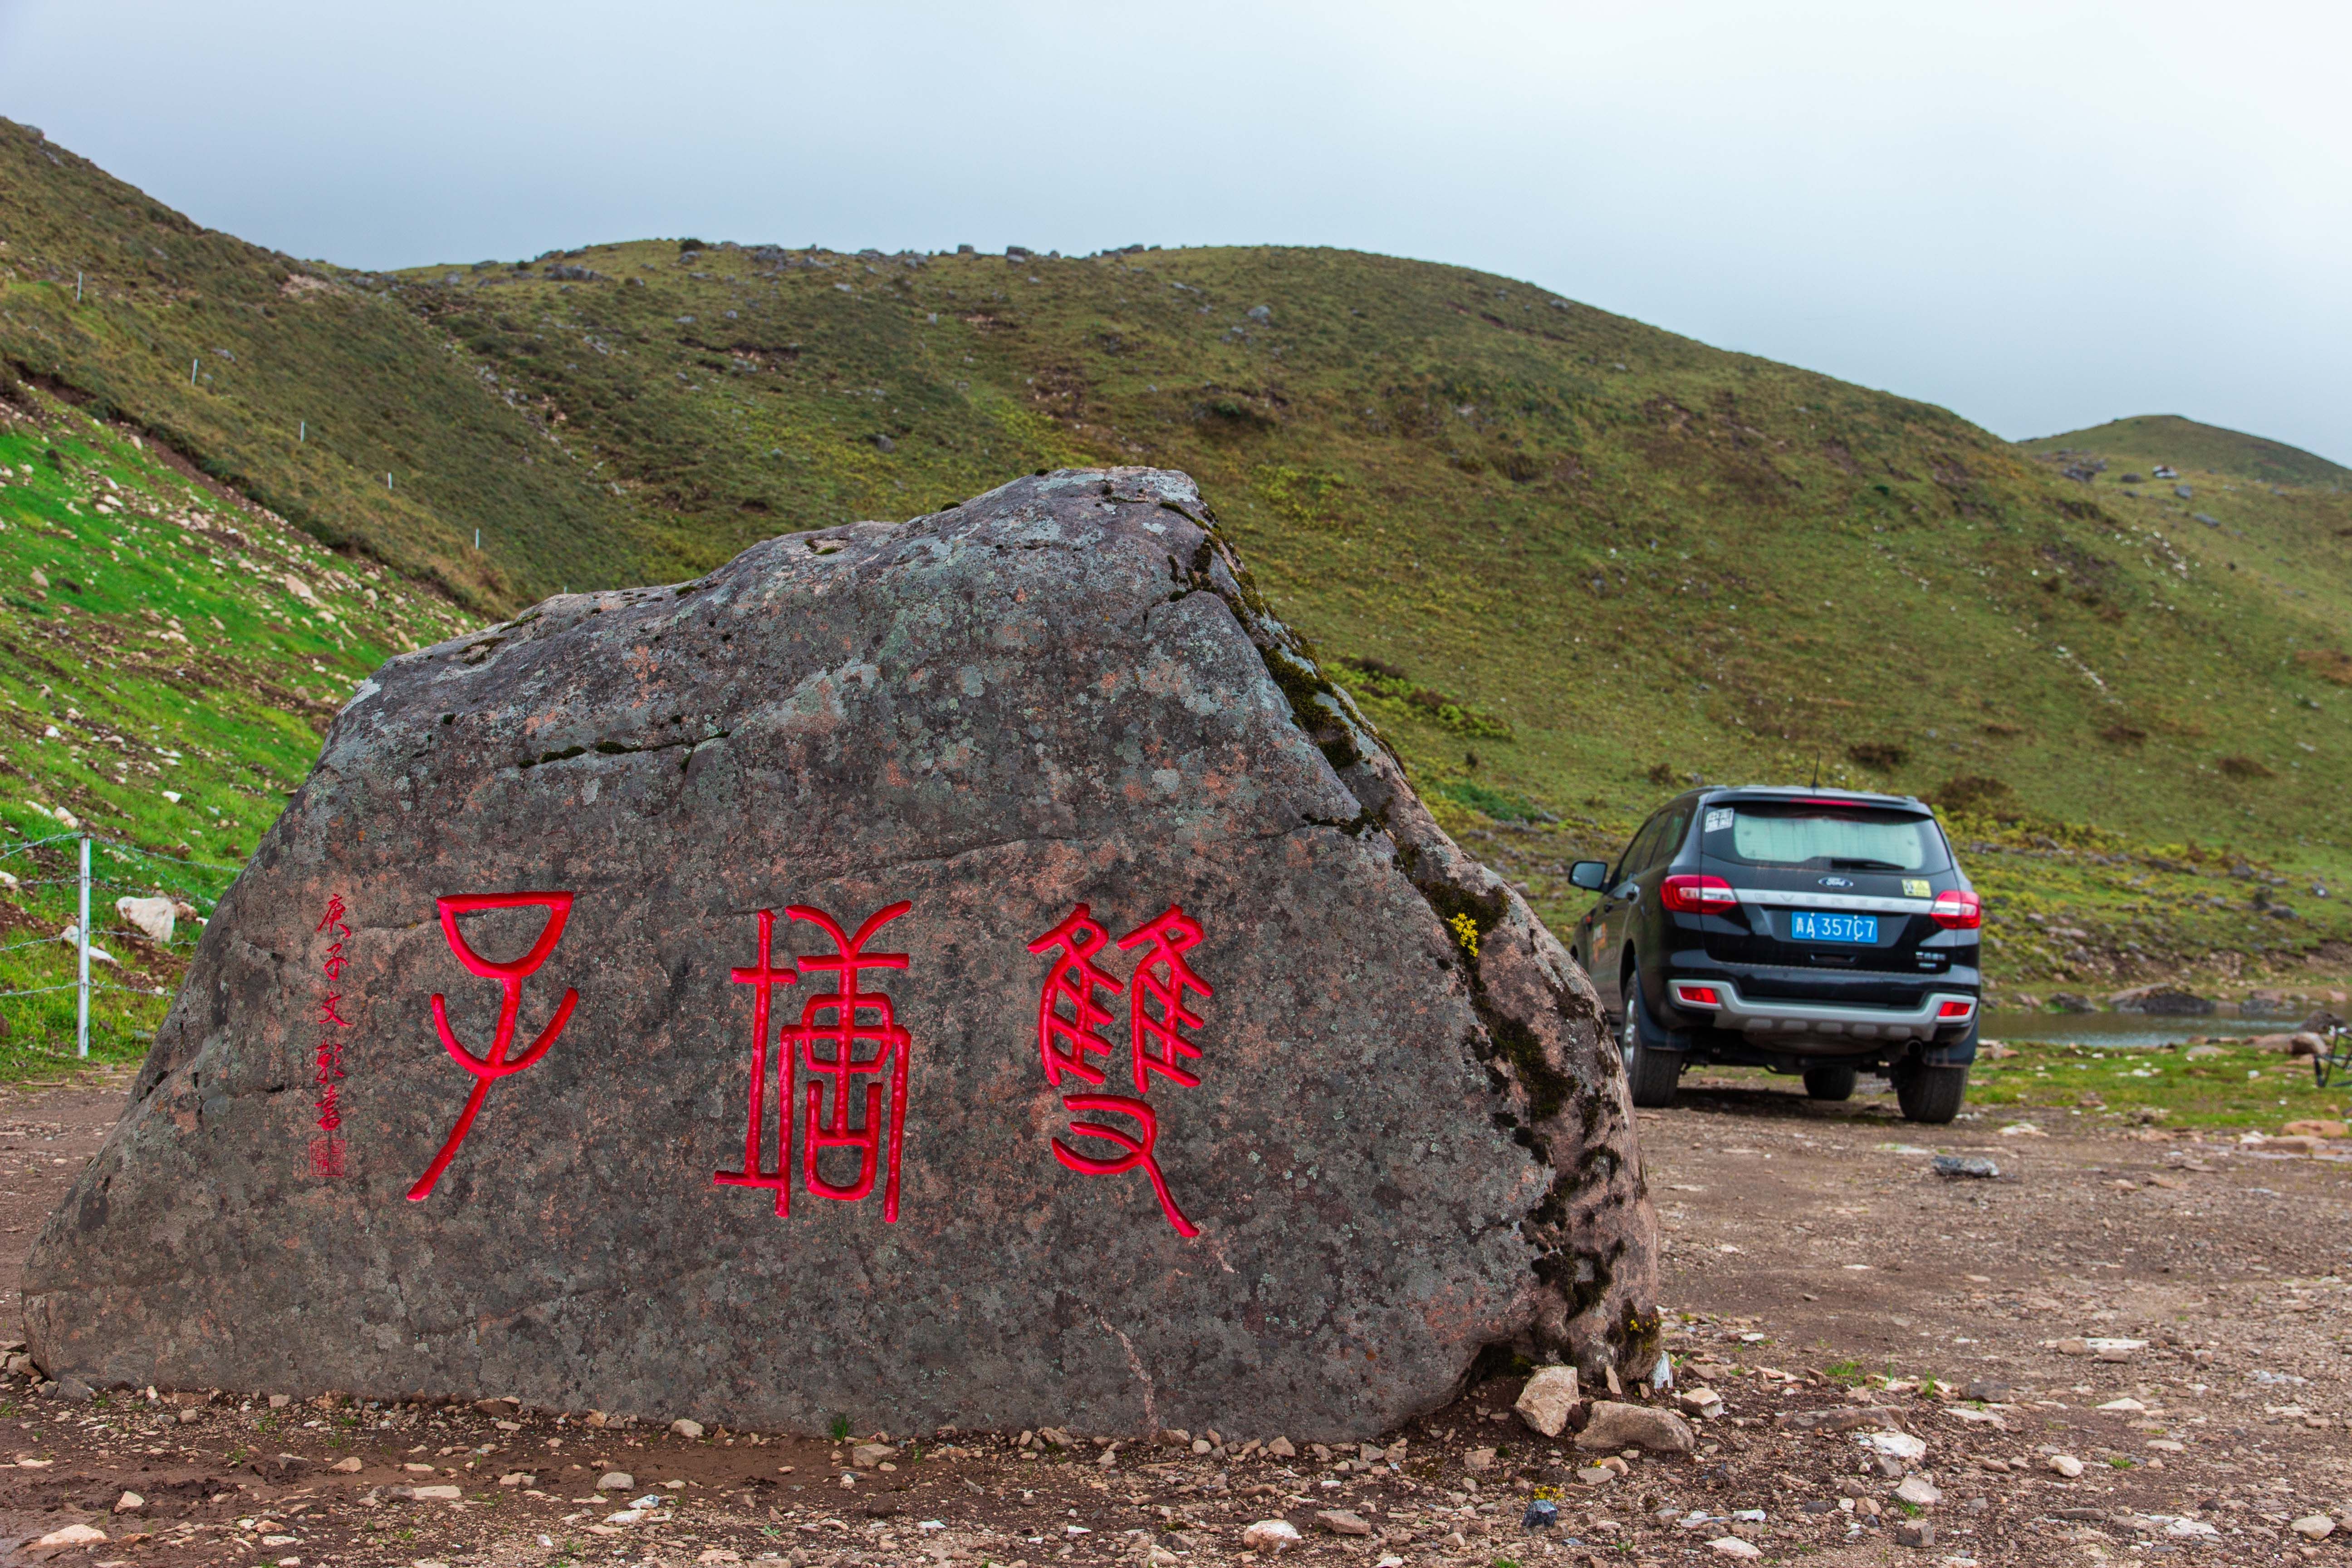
[[155, 919], [1616, 1426], [2315, 1127], [1275, 1535], [1549, 1399], [1338, 1114], [2164, 1001]]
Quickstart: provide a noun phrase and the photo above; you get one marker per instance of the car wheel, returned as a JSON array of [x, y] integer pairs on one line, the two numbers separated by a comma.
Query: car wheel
[[1831, 1083], [1651, 1073], [1930, 1094]]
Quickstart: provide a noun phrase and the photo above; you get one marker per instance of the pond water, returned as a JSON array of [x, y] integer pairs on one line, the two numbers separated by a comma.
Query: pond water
[[2121, 1031]]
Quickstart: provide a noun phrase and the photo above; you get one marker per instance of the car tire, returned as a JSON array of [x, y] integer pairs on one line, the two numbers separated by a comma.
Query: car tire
[[1651, 1073], [1831, 1083], [1929, 1094]]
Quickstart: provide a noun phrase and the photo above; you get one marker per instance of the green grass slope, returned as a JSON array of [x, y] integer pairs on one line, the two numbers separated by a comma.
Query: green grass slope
[[1574, 561], [169, 657], [2149, 439], [1568, 560], [1617, 547], [300, 385]]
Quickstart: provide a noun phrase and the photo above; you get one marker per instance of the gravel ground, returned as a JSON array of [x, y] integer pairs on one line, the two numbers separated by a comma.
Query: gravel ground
[[1849, 1306]]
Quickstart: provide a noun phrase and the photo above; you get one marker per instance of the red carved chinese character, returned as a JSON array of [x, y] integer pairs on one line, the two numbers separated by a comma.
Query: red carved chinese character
[[1164, 977], [327, 1149], [890, 1044], [329, 1061], [1063, 1042], [1156, 1037], [493, 1063], [832, 1020], [1139, 1151]]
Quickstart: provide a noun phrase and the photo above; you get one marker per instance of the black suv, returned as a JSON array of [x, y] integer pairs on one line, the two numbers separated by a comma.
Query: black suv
[[1806, 930]]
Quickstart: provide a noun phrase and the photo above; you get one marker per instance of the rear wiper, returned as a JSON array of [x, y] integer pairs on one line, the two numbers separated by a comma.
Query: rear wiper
[[1837, 863]]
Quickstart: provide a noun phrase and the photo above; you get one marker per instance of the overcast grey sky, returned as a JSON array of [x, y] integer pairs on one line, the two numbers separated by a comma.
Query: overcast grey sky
[[2041, 215]]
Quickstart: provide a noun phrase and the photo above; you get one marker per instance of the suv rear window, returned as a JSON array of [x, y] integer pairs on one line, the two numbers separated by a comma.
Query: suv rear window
[[1809, 837]]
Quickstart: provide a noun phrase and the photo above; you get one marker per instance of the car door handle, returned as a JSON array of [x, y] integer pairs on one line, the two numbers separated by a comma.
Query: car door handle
[[1628, 893]]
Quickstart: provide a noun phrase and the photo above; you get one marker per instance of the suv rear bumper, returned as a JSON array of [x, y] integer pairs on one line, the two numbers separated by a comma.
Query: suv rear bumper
[[1771, 1018]]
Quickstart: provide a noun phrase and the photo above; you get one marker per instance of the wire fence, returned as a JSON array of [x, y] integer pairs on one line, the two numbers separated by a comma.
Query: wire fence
[[78, 936]]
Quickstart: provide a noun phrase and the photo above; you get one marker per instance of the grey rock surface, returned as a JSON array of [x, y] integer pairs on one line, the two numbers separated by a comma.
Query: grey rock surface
[[1064, 692]]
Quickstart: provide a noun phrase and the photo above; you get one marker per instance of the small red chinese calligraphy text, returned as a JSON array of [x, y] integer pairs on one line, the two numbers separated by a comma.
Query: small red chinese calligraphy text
[[1068, 1020], [494, 1063], [837, 1023], [327, 1070]]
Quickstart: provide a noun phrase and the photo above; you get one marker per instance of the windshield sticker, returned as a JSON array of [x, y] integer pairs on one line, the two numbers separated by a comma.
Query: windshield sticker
[[1719, 819]]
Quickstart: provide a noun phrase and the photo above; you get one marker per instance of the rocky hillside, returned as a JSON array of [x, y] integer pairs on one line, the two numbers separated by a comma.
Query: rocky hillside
[[2152, 440]]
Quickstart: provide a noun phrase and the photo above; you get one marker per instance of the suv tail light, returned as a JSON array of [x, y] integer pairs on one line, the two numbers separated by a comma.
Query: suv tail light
[[1697, 895], [1692, 994], [1955, 1009], [1957, 910]]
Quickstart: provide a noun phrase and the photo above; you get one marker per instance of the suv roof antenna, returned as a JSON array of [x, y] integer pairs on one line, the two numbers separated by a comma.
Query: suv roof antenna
[[1817, 771]]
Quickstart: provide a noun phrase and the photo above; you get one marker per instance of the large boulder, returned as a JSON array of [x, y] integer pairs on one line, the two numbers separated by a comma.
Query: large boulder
[[1197, 1078]]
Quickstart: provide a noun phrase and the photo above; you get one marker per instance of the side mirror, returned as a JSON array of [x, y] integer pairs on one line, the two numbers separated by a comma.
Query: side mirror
[[1590, 874]]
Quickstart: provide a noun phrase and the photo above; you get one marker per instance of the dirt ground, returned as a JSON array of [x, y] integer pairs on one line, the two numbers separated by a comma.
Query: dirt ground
[[1840, 1297]]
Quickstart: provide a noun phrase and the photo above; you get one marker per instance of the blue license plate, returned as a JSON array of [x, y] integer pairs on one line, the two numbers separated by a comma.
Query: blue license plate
[[1824, 925]]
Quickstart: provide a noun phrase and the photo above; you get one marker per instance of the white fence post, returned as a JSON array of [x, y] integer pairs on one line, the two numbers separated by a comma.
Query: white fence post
[[83, 1035]]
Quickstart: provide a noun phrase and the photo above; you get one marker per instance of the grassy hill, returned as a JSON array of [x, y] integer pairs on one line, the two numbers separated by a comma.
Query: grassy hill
[[2149, 439], [169, 655], [1597, 548], [310, 389], [1568, 560]]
